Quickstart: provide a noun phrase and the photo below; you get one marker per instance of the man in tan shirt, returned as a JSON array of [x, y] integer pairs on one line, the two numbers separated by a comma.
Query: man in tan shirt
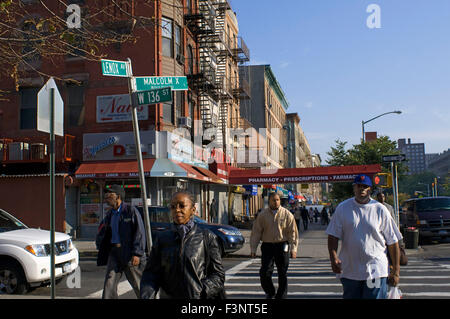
[[275, 227]]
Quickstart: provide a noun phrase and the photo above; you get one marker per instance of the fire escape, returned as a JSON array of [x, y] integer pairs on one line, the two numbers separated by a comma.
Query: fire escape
[[213, 84]]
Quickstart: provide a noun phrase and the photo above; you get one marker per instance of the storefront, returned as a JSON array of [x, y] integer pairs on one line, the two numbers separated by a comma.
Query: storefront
[[167, 169]]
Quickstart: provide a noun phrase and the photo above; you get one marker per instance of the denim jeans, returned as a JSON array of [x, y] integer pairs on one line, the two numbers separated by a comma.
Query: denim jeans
[[365, 289]]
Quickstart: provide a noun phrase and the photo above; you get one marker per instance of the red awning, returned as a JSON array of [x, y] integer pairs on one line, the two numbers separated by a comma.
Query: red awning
[[152, 168], [212, 177], [117, 169], [325, 174], [192, 173]]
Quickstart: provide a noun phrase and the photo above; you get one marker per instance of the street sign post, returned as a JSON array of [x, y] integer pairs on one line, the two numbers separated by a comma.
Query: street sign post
[[115, 68], [44, 108], [394, 158], [50, 119], [123, 69], [176, 83], [154, 96]]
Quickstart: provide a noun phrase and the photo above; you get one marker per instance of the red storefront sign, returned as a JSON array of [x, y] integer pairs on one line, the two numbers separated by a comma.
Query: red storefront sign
[[327, 174]]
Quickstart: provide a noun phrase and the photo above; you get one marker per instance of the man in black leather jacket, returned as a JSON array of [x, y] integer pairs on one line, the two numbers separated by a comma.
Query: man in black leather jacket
[[185, 261]]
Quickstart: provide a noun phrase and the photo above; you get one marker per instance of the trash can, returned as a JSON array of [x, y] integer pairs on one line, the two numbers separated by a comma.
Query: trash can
[[411, 238]]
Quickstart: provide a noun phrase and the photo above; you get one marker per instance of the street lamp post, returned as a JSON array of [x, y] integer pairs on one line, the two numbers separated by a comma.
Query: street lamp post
[[365, 122], [428, 187]]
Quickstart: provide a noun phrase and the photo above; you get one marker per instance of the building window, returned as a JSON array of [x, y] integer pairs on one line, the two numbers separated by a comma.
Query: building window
[[28, 108], [179, 100], [30, 52], [167, 37], [178, 41], [189, 6], [190, 57], [75, 105], [168, 113]]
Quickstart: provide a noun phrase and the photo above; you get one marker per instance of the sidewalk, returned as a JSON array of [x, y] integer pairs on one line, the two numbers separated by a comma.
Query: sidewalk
[[312, 244]]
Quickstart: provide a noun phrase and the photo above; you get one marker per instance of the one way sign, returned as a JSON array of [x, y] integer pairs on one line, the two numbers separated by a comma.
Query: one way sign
[[394, 158]]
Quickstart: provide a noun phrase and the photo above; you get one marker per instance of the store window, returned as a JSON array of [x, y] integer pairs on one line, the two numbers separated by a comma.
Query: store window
[[132, 190], [90, 203]]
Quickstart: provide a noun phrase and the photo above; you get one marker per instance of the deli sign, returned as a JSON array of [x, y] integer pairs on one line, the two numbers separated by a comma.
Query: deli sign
[[117, 108]]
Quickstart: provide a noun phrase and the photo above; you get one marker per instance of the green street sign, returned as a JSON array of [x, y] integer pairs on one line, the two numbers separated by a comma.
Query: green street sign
[[153, 96], [114, 68], [176, 83]]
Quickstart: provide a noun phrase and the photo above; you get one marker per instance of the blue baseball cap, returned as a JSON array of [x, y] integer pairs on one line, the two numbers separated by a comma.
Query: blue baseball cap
[[362, 179]]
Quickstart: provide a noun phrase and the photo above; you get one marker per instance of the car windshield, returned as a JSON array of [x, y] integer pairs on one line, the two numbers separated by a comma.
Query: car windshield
[[8, 222], [433, 204], [158, 214]]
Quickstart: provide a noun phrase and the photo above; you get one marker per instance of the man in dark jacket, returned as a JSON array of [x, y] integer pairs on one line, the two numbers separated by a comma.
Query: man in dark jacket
[[185, 262], [121, 243]]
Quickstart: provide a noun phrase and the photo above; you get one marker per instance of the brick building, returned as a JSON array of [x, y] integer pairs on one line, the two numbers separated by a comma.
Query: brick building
[[187, 38]]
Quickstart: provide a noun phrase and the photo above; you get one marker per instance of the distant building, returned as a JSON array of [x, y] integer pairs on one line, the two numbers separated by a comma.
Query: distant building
[[266, 111], [440, 164], [298, 151], [430, 158], [370, 136], [415, 155]]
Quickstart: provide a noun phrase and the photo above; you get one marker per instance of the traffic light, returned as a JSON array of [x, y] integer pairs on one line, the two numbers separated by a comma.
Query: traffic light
[[383, 180]]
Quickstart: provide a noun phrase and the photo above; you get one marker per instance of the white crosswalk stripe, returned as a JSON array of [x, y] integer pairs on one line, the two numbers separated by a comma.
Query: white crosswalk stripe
[[314, 279]]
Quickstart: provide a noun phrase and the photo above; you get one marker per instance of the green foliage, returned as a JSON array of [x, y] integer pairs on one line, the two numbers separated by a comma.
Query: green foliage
[[360, 154], [418, 182]]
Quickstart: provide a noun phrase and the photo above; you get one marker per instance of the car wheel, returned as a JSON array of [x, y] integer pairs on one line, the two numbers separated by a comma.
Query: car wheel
[[12, 279]]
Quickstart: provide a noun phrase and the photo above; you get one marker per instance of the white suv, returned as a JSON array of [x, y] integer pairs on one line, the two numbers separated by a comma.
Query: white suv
[[25, 255]]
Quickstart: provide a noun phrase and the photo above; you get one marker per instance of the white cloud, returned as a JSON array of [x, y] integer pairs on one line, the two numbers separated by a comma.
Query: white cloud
[[284, 65]]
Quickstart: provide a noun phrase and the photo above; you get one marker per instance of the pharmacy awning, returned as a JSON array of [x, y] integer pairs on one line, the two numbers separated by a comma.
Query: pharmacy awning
[[324, 174]]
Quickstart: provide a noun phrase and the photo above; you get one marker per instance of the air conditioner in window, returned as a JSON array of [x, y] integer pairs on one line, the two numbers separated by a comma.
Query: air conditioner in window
[[180, 59], [185, 122]]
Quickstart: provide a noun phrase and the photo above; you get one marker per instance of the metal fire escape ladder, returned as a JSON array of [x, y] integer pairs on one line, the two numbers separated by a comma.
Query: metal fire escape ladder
[[224, 90]]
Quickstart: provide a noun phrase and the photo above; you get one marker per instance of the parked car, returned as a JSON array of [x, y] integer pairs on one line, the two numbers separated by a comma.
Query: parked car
[[430, 215], [230, 238], [25, 256]]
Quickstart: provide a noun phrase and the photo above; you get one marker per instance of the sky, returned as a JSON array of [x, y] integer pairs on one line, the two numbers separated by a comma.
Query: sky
[[337, 72]]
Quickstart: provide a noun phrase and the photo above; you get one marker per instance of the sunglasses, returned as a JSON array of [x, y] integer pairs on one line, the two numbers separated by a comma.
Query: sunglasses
[[175, 206]]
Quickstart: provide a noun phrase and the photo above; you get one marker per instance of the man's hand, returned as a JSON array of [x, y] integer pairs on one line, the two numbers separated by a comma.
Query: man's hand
[[252, 255], [336, 265], [393, 278], [293, 254], [135, 260]]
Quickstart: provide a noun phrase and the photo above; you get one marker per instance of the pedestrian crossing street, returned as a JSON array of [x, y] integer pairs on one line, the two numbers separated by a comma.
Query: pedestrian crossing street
[[313, 278]]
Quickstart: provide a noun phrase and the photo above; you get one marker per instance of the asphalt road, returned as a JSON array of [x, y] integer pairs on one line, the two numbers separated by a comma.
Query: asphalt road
[[91, 277]]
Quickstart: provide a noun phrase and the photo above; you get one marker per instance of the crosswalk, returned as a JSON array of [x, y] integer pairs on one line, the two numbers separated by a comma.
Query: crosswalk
[[313, 278]]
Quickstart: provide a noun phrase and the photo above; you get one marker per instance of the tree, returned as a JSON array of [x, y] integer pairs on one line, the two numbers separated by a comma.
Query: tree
[[47, 30], [418, 182], [360, 154]]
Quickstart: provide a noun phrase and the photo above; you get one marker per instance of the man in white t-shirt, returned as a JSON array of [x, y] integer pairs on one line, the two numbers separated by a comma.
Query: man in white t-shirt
[[364, 227]]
